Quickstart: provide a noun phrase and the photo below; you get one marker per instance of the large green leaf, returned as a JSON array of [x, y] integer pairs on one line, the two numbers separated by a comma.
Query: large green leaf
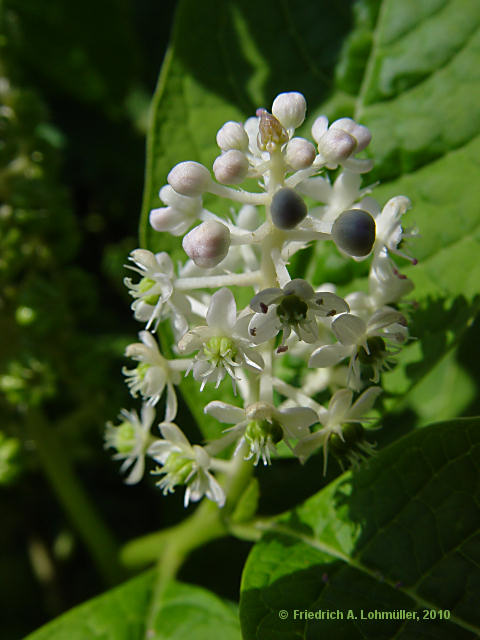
[[401, 533], [408, 70], [125, 613]]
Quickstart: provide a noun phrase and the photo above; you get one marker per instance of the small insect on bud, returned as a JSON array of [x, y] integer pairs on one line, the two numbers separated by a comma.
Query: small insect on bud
[[231, 167], [336, 146], [271, 134], [189, 178], [358, 131], [287, 208], [208, 244], [232, 136], [300, 153], [290, 108], [354, 232]]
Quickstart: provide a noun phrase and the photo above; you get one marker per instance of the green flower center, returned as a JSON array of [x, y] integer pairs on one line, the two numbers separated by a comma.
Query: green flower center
[[218, 348], [353, 434], [292, 309], [145, 285], [177, 467], [376, 346], [258, 431], [142, 370], [124, 438]]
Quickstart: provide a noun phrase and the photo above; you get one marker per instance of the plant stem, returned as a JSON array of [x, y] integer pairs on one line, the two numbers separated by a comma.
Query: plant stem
[[74, 500]]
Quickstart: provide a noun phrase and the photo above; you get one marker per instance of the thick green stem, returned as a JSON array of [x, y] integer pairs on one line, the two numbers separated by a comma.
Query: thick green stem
[[74, 500]]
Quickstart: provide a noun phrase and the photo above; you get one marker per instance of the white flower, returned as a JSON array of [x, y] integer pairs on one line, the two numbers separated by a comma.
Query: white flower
[[131, 439], [152, 375], [337, 429], [155, 295], [179, 214], [184, 464], [293, 307], [222, 342], [262, 426], [363, 342]]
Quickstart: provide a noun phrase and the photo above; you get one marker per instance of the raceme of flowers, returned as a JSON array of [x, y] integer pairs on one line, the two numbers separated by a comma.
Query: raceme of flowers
[[346, 343]]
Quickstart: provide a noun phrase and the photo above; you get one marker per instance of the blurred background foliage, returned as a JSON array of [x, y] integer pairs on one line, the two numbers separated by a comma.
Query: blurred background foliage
[[75, 88]]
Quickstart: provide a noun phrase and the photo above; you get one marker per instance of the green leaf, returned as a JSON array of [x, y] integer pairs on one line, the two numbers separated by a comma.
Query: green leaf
[[401, 533], [122, 613]]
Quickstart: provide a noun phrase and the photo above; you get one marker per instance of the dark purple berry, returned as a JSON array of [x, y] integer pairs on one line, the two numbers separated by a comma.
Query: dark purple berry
[[354, 232], [287, 208]]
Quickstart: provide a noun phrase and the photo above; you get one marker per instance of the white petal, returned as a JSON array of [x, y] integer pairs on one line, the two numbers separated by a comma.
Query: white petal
[[222, 311], [307, 331], [214, 491], [225, 412], [328, 303], [329, 355], [384, 318], [309, 445], [171, 404], [148, 340], [364, 403], [339, 405], [264, 299], [300, 288], [147, 416], [264, 326], [296, 420], [349, 329], [253, 358], [174, 435], [136, 473]]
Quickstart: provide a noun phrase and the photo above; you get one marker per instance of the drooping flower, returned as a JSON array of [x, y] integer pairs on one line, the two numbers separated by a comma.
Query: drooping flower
[[153, 374], [184, 464], [131, 439], [155, 295], [262, 426], [295, 307], [222, 343], [341, 429], [364, 342]]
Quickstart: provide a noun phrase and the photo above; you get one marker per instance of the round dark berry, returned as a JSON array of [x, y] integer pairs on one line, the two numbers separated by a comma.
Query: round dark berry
[[287, 208], [354, 232]]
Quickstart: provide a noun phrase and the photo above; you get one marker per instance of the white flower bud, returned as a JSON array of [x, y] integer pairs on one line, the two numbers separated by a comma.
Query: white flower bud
[[208, 244], [248, 217], [189, 178], [290, 109], [358, 131], [232, 136], [231, 167], [163, 219], [319, 128], [300, 153], [336, 146], [185, 204]]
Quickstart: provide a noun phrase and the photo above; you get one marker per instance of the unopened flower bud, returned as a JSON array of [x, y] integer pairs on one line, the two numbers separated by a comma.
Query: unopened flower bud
[[319, 128], [232, 136], [189, 178], [231, 167], [248, 217], [300, 153], [358, 131], [290, 108], [208, 244], [163, 219], [336, 146]]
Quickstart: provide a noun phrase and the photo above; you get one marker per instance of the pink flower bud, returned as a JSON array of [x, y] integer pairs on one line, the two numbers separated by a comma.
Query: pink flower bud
[[300, 153], [231, 167], [189, 178], [232, 136], [208, 244], [358, 131]]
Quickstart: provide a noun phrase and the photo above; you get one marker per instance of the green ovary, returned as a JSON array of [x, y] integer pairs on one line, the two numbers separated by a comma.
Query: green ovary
[[145, 285], [218, 348], [177, 467], [258, 431], [124, 438], [292, 310]]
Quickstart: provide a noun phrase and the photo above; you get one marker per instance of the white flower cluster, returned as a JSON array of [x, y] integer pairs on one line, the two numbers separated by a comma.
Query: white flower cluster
[[345, 343]]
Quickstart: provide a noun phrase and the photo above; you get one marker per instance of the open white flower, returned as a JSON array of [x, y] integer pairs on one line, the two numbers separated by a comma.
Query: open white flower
[[184, 464], [294, 307], [222, 343], [153, 374], [262, 426], [155, 295], [336, 429], [131, 439], [363, 342]]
